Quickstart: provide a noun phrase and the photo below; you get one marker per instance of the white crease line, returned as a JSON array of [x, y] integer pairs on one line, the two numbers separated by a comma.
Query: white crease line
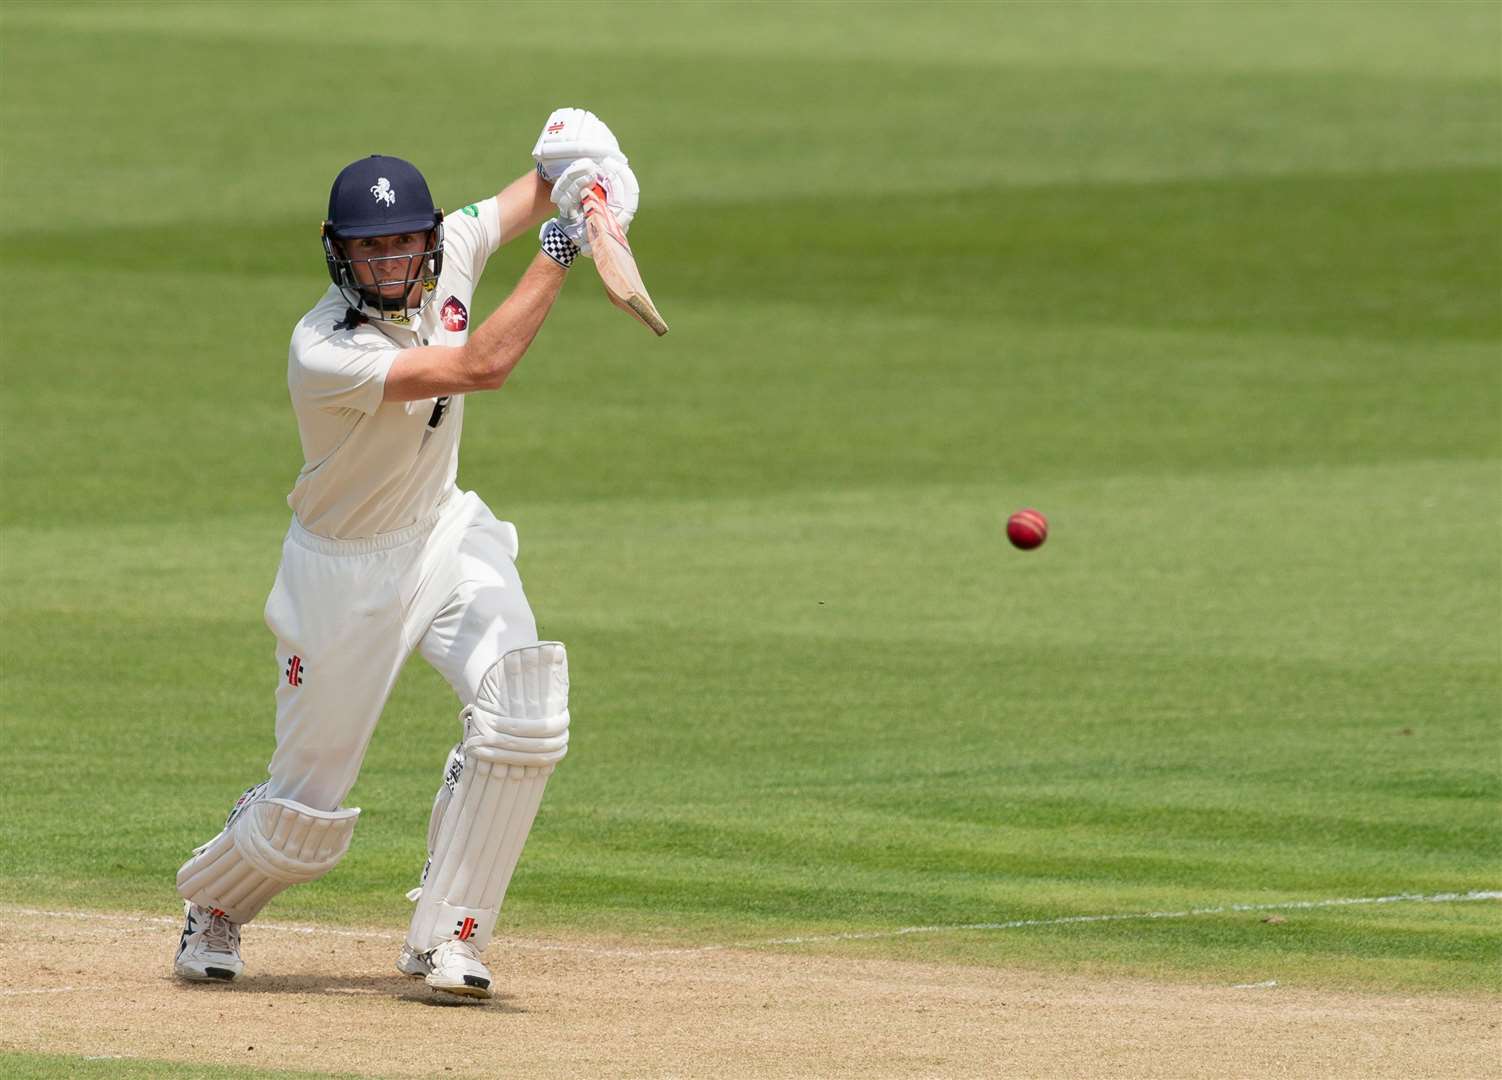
[[1017, 924], [1014, 924], [1255, 986], [48, 990]]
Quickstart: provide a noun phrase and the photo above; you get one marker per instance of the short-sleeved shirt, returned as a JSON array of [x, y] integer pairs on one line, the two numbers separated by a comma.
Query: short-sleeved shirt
[[372, 466]]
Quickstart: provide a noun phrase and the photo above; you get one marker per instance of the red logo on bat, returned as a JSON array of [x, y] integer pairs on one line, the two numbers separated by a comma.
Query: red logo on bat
[[594, 205], [454, 315]]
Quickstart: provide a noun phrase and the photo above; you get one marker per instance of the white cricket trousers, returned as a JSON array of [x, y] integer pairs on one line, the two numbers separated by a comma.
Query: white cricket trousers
[[348, 613]]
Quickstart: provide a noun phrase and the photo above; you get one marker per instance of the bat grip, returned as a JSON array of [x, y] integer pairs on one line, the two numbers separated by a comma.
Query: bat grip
[[590, 205]]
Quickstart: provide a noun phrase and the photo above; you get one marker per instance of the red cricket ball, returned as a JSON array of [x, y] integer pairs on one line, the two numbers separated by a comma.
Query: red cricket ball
[[1026, 529]]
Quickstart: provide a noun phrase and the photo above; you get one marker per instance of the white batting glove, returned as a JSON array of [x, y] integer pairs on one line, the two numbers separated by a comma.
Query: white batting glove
[[568, 190], [571, 134], [622, 193]]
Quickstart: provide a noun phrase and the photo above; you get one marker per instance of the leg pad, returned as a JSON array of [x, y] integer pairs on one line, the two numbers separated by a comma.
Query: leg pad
[[514, 734], [267, 846]]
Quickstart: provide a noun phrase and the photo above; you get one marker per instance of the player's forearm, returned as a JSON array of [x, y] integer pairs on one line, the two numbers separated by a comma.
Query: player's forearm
[[524, 205], [501, 341]]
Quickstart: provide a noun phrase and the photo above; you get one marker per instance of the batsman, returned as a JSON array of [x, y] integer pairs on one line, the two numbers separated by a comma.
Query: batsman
[[385, 556]]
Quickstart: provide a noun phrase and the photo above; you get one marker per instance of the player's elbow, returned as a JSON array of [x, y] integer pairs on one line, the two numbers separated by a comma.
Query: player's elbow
[[494, 374], [483, 372]]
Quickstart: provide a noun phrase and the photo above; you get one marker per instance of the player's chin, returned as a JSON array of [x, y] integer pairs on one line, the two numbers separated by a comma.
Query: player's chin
[[392, 295]]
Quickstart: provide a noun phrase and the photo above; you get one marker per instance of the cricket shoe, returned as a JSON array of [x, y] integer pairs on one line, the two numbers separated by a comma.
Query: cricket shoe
[[210, 946], [453, 967]]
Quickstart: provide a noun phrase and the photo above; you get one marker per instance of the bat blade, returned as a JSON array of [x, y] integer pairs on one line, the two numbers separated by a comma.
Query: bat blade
[[617, 265]]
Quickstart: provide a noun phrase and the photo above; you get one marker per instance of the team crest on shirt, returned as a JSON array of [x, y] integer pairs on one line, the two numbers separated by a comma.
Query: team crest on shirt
[[454, 314]]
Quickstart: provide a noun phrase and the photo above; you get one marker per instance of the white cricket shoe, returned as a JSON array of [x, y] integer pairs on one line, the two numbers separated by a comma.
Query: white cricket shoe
[[453, 967], [413, 963], [210, 946]]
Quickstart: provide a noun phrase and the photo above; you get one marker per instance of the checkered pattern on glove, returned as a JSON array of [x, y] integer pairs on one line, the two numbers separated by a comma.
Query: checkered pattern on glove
[[556, 244]]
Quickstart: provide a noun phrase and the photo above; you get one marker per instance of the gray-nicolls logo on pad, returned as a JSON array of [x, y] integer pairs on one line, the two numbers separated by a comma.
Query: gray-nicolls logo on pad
[[383, 191]]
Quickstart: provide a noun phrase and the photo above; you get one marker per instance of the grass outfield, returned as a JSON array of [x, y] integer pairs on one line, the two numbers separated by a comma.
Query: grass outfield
[[1216, 287]]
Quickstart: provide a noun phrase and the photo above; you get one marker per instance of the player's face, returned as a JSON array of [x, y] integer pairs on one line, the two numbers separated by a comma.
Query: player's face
[[383, 263]]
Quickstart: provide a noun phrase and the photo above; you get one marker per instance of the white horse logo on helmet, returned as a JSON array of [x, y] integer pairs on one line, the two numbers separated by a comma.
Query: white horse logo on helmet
[[383, 192]]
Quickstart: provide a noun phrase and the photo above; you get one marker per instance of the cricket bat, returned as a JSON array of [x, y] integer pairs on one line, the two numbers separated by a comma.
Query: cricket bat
[[616, 264]]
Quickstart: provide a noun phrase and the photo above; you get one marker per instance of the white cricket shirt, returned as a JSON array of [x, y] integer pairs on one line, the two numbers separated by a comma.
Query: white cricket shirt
[[371, 466]]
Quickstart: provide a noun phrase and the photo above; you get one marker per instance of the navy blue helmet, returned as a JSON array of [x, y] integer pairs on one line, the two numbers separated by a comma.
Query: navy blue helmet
[[383, 196]]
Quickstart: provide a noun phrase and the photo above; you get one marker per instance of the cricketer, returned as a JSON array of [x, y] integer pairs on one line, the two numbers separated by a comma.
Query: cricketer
[[385, 556]]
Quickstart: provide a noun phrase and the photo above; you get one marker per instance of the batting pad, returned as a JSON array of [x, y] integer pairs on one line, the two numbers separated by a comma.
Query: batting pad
[[269, 845], [514, 734]]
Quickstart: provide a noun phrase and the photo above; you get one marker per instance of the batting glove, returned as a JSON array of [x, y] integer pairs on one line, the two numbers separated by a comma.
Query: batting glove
[[622, 193], [571, 134], [557, 244]]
